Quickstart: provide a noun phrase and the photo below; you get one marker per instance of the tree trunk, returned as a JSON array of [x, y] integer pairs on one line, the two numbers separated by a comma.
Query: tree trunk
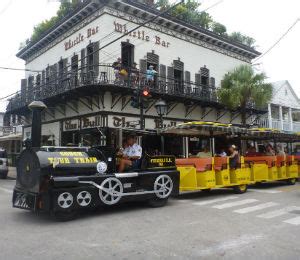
[[243, 115]]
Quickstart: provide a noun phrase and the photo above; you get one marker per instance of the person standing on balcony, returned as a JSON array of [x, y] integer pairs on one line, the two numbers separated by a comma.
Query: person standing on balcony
[[150, 75], [134, 74], [117, 66]]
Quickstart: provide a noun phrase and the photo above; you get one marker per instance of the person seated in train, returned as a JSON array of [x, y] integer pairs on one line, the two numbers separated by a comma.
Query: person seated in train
[[269, 150], [251, 151], [205, 153], [234, 157], [280, 150], [221, 153], [131, 156]]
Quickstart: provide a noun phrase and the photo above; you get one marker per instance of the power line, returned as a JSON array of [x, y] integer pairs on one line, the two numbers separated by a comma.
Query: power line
[[278, 41]]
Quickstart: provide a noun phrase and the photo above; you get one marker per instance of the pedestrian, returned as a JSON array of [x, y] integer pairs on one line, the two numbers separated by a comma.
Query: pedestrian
[[234, 157]]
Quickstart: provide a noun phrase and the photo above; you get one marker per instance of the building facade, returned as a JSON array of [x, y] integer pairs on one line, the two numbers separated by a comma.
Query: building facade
[[70, 69], [283, 110]]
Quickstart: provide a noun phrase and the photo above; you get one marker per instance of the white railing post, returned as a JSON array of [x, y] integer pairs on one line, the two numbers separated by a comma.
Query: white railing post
[[280, 118], [270, 115], [291, 119]]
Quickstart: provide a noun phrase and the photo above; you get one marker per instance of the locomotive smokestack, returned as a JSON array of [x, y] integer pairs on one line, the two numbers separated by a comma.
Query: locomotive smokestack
[[36, 126]]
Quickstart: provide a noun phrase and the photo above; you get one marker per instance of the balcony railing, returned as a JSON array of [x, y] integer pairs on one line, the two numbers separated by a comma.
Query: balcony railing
[[105, 76], [276, 124]]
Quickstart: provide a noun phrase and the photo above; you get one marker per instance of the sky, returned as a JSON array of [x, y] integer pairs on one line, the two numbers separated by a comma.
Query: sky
[[264, 20]]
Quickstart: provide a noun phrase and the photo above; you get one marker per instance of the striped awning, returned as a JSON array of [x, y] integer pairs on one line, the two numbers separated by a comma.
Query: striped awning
[[204, 129]]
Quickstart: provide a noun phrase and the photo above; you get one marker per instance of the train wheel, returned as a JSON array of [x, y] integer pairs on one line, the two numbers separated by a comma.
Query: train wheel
[[291, 181], [112, 191], [240, 188], [163, 186], [206, 190]]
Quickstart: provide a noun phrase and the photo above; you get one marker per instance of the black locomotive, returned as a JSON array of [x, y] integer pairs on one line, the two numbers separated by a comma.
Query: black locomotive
[[62, 181]]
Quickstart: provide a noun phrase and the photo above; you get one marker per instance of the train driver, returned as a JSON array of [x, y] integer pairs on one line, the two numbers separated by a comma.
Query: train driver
[[131, 157]]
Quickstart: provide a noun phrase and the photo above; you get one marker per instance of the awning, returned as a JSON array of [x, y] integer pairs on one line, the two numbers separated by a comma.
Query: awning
[[11, 137], [200, 128]]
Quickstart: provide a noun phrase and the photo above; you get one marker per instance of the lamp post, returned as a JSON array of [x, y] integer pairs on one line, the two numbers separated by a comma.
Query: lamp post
[[161, 109]]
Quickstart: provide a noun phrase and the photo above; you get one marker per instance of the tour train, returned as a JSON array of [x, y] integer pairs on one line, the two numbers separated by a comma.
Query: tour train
[[215, 172], [64, 180]]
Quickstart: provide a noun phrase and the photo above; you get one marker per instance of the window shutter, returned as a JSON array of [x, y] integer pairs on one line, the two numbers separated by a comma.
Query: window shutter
[[187, 80], [65, 68], [23, 89], [152, 58], [170, 78], [37, 87], [143, 68], [198, 83], [212, 82], [163, 73], [83, 61], [178, 65], [30, 89], [96, 59], [187, 77]]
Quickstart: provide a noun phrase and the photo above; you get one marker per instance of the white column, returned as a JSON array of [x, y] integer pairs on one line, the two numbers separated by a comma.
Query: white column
[[280, 117], [270, 116], [291, 119]]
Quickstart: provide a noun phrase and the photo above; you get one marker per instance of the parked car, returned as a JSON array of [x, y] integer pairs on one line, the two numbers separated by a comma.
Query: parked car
[[3, 164]]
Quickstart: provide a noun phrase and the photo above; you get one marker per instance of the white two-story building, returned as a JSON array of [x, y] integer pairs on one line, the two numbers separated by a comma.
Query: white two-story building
[[283, 110], [70, 69]]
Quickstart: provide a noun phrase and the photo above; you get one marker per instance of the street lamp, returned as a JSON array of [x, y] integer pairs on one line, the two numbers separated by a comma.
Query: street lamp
[[161, 109]]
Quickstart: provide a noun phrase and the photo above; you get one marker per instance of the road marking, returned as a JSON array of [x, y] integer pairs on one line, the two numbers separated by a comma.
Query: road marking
[[6, 190], [207, 202], [257, 207], [293, 221], [279, 212], [235, 203], [266, 191]]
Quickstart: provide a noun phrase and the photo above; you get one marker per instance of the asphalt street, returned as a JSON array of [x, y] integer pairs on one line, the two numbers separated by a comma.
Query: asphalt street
[[264, 223]]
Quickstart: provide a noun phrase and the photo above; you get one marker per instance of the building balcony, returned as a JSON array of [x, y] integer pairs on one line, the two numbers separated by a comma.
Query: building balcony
[[88, 81], [284, 125]]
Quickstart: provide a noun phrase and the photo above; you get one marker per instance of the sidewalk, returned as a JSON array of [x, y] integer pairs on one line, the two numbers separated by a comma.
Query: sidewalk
[[12, 172]]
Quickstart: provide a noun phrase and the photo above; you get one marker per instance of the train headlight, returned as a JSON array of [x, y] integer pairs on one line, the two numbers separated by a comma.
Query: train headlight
[[101, 167]]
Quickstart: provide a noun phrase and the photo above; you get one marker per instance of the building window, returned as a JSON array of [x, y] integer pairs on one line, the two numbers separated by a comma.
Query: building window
[[127, 54]]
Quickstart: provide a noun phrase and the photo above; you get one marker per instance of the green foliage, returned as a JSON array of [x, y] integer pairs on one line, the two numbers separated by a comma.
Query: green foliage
[[243, 87], [219, 29], [63, 10], [189, 12], [238, 37]]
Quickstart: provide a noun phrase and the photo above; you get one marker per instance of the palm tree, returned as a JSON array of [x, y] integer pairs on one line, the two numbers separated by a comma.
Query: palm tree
[[242, 88]]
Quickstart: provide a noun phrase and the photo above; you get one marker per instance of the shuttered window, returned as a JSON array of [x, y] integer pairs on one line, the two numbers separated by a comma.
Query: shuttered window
[[143, 68], [212, 82], [83, 61], [152, 58], [23, 89], [162, 73], [96, 59]]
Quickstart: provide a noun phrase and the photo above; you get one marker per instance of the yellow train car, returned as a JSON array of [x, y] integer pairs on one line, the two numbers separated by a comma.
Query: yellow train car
[[215, 172]]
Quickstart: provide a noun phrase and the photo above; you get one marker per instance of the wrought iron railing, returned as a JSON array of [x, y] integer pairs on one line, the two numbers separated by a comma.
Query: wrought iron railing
[[105, 75]]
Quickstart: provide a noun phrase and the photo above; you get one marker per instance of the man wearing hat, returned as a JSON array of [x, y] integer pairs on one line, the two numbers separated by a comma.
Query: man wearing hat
[[131, 155]]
